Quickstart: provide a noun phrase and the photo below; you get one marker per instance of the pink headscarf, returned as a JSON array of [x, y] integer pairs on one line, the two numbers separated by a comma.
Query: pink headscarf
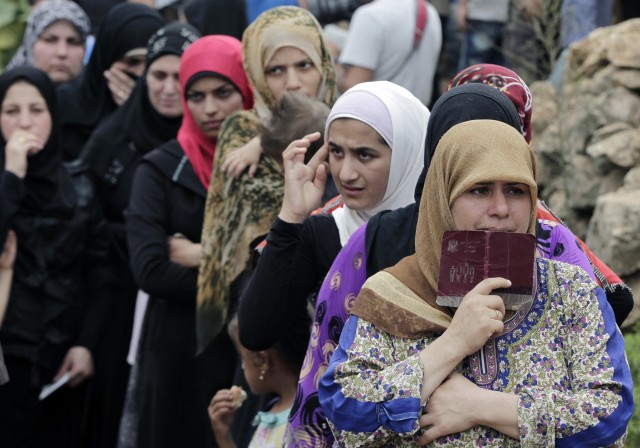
[[505, 80], [217, 55]]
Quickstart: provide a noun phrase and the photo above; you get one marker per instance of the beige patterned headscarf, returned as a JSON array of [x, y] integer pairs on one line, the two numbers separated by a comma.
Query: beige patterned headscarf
[[240, 210], [469, 153], [285, 26]]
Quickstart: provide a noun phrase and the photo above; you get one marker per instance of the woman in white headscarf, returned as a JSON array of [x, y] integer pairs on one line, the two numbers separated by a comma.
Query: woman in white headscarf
[[374, 138], [54, 40]]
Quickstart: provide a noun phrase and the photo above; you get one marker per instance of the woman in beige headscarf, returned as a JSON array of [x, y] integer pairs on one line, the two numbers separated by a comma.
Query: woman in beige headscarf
[[409, 372], [283, 51]]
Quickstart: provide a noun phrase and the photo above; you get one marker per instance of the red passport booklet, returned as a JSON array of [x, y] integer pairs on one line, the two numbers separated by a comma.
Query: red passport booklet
[[468, 257]]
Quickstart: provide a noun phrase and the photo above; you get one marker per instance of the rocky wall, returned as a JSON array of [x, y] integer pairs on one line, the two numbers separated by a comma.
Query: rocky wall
[[587, 143]]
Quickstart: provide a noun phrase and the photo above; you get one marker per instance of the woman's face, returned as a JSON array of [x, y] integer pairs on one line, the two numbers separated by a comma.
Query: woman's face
[[359, 162], [210, 100], [163, 86], [290, 69], [59, 51], [496, 206], [23, 107]]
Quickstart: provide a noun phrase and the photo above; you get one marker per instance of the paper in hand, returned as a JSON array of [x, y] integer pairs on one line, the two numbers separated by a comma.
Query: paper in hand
[[50, 388], [468, 257]]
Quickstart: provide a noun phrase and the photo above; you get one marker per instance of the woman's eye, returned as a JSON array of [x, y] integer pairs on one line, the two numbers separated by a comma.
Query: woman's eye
[[224, 93], [516, 191], [479, 191], [50, 39], [195, 96], [159, 76], [10, 111], [335, 150], [273, 71], [365, 155], [305, 65], [77, 42]]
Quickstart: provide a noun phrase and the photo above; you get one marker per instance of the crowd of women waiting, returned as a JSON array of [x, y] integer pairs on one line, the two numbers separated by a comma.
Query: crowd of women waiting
[[185, 213]]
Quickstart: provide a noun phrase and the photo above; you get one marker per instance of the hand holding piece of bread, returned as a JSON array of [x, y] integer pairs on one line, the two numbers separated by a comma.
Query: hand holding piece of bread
[[239, 396]]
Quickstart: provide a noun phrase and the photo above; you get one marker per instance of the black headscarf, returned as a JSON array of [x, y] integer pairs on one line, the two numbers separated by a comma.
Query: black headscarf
[[137, 120], [228, 17], [137, 116], [48, 188], [85, 101], [390, 235]]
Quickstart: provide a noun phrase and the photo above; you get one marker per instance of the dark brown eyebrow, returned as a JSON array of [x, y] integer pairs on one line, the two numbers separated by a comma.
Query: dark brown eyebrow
[[507, 183], [356, 149]]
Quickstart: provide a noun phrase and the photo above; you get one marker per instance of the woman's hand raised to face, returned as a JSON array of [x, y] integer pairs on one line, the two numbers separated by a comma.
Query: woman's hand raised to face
[[20, 145], [478, 317], [303, 183], [120, 84]]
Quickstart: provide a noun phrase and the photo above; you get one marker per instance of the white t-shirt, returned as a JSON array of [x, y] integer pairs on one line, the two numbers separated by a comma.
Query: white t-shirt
[[488, 10], [381, 37]]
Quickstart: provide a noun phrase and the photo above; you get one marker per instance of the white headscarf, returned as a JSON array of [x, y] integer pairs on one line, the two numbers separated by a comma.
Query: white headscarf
[[401, 120], [41, 17]]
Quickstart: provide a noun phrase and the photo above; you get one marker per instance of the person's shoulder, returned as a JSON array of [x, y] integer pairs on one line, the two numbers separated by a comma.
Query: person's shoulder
[[170, 150], [242, 118], [323, 229], [104, 141], [165, 157], [568, 277], [320, 221], [237, 129]]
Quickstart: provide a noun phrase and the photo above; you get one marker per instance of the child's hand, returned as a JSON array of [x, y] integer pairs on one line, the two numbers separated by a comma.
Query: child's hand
[[247, 156], [222, 411]]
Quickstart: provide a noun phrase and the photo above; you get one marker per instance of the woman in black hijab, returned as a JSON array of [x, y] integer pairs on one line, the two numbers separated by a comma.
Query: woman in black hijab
[[59, 291], [103, 84], [150, 117], [389, 234]]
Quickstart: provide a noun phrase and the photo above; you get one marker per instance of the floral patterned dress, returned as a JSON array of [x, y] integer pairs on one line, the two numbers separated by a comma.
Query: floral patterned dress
[[564, 357]]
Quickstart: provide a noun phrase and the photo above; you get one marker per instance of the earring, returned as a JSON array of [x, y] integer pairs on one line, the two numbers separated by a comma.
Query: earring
[[261, 377]]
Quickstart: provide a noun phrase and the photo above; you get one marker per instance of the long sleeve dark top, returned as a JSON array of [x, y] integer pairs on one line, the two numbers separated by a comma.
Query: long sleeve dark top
[[166, 198], [59, 290], [292, 266]]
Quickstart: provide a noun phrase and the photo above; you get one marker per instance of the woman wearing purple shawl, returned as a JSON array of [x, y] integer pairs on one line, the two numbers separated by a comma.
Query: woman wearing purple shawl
[[307, 423]]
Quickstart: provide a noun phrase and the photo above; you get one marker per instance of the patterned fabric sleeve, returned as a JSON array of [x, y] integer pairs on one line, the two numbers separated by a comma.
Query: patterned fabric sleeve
[[597, 410], [369, 397]]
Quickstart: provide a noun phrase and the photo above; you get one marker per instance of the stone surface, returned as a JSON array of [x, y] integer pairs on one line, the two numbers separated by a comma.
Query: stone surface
[[610, 129], [614, 231], [584, 184], [632, 179], [622, 46], [621, 148], [544, 106], [587, 143], [627, 78]]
